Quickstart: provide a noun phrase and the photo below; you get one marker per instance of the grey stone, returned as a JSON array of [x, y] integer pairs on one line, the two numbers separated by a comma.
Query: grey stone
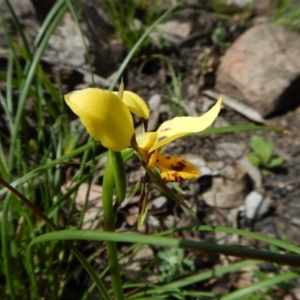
[[256, 205], [262, 68]]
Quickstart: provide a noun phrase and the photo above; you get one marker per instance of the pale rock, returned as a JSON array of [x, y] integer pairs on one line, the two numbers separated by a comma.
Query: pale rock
[[221, 122], [21, 8], [154, 104], [66, 45], [239, 3], [262, 68], [159, 202], [171, 31], [175, 28], [153, 221], [206, 104], [170, 221], [136, 176], [205, 168], [132, 216], [230, 190], [91, 196], [134, 261], [232, 150], [253, 172], [256, 205]]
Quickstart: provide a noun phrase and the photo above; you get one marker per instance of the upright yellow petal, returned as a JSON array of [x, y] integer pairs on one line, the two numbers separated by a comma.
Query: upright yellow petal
[[180, 126], [135, 104], [105, 116], [175, 169]]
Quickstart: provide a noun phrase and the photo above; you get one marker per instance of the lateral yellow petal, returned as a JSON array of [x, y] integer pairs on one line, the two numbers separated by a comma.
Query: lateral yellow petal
[[180, 126], [106, 118], [135, 104], [145, 141], [175, 169]]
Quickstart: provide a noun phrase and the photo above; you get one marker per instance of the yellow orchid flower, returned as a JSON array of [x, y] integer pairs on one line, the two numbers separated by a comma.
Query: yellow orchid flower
[[106, 116]]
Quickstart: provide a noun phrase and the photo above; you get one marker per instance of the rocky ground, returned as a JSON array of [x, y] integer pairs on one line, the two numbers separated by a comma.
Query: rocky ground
[[252, 63]]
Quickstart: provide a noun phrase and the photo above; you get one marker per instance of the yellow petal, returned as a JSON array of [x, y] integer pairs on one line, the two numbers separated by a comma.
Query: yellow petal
[[176, 169], [180, 126], [135, 104], [105, 116], [145, 141]]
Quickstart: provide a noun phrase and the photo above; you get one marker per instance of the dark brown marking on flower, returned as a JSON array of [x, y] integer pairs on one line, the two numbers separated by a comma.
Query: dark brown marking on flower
[[165, 129], [177, 177], [162, 138], [145, 123], [168, 157], [149, 154], [157, 160], [133, 143], [180, 166]]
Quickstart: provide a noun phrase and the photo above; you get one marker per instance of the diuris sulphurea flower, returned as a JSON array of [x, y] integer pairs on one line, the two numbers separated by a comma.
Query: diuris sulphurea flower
[[107, 118]]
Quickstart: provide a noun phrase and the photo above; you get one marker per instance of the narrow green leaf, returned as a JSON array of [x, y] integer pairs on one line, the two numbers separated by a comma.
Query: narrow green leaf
[[10, 286], [240, 294], [245, 233], [21, 51], [238, 251], [53, 226], [195, 278], [139, 43], [143, 201]]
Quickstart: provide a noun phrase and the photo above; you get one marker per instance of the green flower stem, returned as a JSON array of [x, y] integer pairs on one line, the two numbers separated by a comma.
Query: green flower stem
[[109, 225], [119, 175], [4, 239]]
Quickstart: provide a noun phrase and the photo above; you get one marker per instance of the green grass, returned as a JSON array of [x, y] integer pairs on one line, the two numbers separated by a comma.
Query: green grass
[[38, 149], [287, 14]]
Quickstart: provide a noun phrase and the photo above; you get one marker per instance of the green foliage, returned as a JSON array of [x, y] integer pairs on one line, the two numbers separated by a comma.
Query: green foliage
[[174, 264], [127, 26], [262, 155], [222, 6], [287, 14], [173, 90], [219, 38]]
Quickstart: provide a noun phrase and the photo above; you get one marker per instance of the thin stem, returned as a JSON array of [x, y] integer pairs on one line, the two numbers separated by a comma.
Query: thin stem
[[109, 225], [4, 239]]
